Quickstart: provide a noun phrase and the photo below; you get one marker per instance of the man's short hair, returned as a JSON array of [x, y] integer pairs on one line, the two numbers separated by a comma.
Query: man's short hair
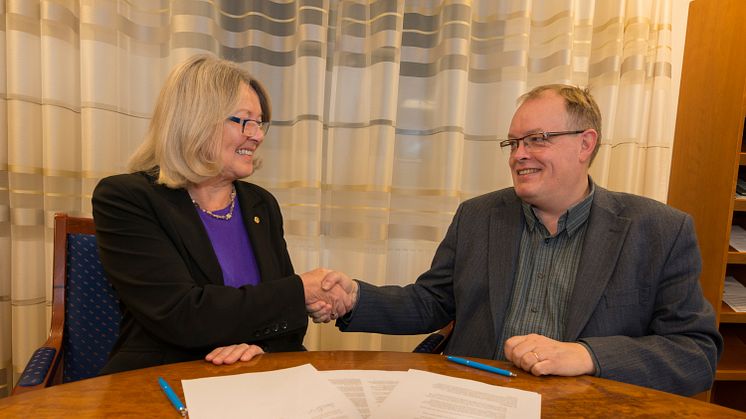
[[182, 144], [582, 109]]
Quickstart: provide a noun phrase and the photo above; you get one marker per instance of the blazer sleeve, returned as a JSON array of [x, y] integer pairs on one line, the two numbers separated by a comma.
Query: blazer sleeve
[[163, 287], [421, 307], [680, 351]]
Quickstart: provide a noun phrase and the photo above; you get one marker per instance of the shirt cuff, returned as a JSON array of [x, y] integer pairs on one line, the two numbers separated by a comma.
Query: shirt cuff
[[344, 321], [596, 366]]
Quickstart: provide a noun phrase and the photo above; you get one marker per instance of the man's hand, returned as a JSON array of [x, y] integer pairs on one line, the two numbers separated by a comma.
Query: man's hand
[[541, 355], [328, 294], [229, 354]]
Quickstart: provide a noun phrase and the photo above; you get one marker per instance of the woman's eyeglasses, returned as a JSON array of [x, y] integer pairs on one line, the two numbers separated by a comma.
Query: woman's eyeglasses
[[250, 127]]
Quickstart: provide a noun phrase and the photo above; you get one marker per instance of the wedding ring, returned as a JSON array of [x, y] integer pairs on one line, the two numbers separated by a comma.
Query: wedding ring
[[537, 356]]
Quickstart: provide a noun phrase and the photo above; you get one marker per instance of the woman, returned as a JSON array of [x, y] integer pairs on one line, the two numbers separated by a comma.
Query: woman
[[196, 256]]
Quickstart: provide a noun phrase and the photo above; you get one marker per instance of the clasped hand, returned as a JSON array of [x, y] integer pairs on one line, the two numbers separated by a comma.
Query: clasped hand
[[329, 294]]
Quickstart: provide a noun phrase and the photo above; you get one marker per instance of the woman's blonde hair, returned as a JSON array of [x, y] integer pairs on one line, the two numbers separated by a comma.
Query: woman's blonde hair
[[182, 144]]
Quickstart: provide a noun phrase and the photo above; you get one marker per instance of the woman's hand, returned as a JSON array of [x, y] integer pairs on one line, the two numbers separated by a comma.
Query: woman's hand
[[229, 354], [328, 294]]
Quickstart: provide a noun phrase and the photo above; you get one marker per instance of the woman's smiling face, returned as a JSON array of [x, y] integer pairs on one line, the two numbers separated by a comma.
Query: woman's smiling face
[[237, 150]]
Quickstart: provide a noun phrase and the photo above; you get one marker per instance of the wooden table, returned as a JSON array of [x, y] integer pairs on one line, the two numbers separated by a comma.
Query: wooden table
[[136, 393]]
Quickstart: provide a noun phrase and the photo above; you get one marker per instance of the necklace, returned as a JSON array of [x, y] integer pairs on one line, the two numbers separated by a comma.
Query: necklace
[[219, 216]]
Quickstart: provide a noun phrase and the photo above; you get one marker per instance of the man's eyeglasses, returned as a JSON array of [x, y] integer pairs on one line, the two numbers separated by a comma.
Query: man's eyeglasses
[[250, 127], [536, 140]]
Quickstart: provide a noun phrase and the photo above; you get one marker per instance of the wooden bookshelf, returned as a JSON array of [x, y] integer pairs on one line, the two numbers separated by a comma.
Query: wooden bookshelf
[[732, 365], [739, 204], [727, 315], [736, 257], [709, 154]]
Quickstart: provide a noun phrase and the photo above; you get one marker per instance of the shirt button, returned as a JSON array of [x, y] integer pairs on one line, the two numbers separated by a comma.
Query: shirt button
[[540, 275], [534, 310]]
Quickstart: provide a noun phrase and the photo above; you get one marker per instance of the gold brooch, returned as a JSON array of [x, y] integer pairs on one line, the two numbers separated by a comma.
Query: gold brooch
[[256, 220]]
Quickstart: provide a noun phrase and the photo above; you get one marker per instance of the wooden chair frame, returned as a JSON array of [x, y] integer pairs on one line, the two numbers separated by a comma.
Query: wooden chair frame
[[63, 225]]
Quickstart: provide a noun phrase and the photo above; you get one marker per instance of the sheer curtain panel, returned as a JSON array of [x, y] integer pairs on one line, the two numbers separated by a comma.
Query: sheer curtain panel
[[386, 116]]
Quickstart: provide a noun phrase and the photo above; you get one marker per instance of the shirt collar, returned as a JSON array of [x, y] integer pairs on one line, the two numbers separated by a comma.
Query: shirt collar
[[571, 220]]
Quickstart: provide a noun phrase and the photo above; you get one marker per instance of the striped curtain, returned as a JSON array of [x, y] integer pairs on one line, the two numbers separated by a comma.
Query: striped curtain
[[386, 117]]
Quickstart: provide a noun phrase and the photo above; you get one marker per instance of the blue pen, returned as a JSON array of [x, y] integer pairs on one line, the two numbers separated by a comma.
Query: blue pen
[[172, 396], [480, 366]]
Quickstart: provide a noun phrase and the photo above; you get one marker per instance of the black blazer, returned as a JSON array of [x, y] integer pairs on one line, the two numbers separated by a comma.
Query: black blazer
[[157, 255]]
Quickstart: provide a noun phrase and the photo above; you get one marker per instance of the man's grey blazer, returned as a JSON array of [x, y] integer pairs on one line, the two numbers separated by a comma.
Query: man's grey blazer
[[637, 303]]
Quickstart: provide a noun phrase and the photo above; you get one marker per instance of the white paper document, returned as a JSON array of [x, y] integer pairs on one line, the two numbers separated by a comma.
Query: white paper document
[[427, 395], [298, 392], [734, 294], [304, 392], [366, 389]]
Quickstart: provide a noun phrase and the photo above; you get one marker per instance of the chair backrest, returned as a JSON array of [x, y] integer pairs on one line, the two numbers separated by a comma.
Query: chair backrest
[[91, 307], [436, 342]]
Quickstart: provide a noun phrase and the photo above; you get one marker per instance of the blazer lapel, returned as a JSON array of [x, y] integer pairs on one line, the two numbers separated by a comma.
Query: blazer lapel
[[187, 225], [505, 229], [256, 218], [601, 249]]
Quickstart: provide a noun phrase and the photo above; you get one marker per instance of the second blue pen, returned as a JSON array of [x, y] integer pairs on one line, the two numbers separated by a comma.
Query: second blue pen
[[480, 366]]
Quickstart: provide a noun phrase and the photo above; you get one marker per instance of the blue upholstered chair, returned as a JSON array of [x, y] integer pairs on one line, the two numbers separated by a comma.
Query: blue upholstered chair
[[436, 342], [85, 311]]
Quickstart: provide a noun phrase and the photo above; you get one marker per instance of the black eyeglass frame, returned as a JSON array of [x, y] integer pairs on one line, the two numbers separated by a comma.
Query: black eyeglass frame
[[258, 125], [513, 142]]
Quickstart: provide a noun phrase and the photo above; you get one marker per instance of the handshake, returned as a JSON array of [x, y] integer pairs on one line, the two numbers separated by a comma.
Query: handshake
[[328, 294]]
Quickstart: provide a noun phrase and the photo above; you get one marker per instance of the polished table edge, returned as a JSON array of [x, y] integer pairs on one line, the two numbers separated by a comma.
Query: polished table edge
[[137, 392]]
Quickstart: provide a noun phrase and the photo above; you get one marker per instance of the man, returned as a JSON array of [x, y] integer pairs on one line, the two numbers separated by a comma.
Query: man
[[558, 275]]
